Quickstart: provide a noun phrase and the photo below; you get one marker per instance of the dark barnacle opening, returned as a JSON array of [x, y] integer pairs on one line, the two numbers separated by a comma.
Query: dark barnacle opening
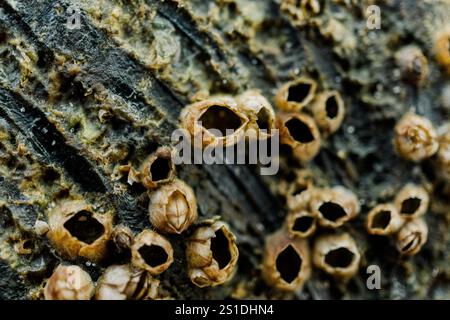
[[153, 255], [220, 248], [299, 92], [299, 131], [339, 258], [84, 227], [410, 206], [263, 119], [220, 118], [381, 219], [303, 224], [288, 264], [160, 169], [332, 211], [332, 107]]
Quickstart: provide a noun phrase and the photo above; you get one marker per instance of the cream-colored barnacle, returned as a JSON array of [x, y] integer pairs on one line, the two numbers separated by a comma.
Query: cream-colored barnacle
[[415, 138], [212, 254], [296, 94], [329, 110], [158, 168], [286, 264], [259, 112], [412, 201], [299, 131], [69, 283], [334, 206], [384, 220], [125, 282], [76, 230], [151, 252], [337, 255], [412, 237], [173, 207], [216, 120]]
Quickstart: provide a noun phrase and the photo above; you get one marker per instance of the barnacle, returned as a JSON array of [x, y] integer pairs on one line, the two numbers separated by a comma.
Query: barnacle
[[415, 138], [212, 254], [329, 111], [296, 94], [412, 201], [173, 207], [412, 237], [216, 120], [299, 131], [384, 219], [334, 206], [337, 255], [413, 64], [76, 230], [286, 264], [151, 252], [158, 168], [69, 283]]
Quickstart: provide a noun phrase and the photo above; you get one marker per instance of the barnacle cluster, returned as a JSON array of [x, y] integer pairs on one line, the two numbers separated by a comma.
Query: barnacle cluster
[[288, 261], [402, 219]]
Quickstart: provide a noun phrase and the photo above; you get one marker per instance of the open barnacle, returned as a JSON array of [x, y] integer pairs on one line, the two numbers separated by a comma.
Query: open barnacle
[[329, 110], [173, 207], [412, 201], [158, 168], [299, 131], [300, 223], [259, 112], [286, 265], [335, 206], [412, 237], [76, 230], [124, 282], [415, 138], [69, 283], [384, 219], [152, 252], [213, 119], [212, 254], [296, 94], [337, 255]]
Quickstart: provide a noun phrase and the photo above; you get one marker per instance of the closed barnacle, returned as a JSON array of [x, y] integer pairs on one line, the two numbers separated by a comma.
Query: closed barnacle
[[210, 119], [333, 207], [259, 112], [412, 201], [212, 254], [173, 207], [152, 252], [76, 230], [69, 283], [299, 131], [124, 282], [158, 168], [296, 94], [415, 138], [337, 255], [413, 64], [300, 223], [286, 264], [384, 220], [329, 110], [412, 237], [442, 49], [122, 238]]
